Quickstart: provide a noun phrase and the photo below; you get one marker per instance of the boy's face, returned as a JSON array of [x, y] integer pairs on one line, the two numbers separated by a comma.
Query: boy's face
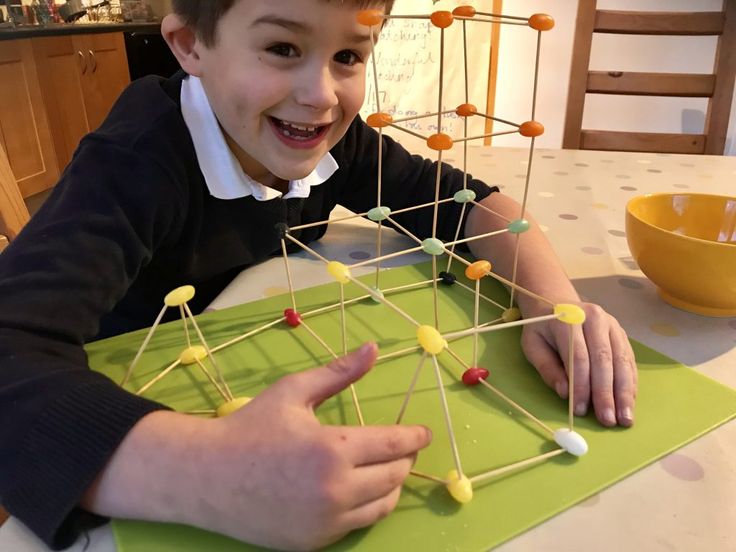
[[285, 79]]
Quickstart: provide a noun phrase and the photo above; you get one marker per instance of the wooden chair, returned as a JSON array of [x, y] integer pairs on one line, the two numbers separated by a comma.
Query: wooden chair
[[13, 210], [718, 87]]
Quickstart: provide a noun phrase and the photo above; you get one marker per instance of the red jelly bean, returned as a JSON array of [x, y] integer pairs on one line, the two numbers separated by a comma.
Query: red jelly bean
[[472, 376], [292, 317]]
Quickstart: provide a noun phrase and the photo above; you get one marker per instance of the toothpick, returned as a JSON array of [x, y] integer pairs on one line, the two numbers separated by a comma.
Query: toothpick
[[160, 376], [409, 391], [143, 347], [209, 352], [448, 421], [518, 407], [499, 471]]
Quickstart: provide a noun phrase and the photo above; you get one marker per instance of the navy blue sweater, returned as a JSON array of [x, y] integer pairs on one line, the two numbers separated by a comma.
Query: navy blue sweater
[[130, 219]]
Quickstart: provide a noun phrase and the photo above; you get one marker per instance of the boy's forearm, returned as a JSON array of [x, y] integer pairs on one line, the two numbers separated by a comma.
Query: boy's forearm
[[151, 474], [538, 268]]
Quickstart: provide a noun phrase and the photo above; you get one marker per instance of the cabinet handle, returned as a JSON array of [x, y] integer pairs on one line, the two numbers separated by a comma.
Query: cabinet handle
[[82, 62], [93, 60]]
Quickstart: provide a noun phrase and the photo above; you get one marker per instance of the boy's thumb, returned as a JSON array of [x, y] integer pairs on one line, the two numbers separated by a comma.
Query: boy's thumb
[[319, 384]]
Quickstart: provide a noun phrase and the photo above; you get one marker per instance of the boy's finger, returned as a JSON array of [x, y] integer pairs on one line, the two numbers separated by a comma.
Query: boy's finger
[[547, 362], [601, 376], [377, 480], [581, 362], [372, 512], [624, 377], [312, 387], [377, 444]]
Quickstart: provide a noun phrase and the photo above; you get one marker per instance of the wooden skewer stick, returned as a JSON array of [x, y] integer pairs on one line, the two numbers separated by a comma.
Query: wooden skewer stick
[[386, 302], [398, 353], [213, 381], [570, 377], [490, 135], [143, 347], [434, 478], [160, 376], [308, 249], [491, 211], [499, 305], [478, 237], [459, 224], [485, 329], [209, 411], [404, 230], [435, 295], [448, 421], [518, 407], [253, 332], [423, 116], [321, 341], [209, 352], [288, 273], [499, 120], [502, 16], [385, 257], [416, 134], [476, 315], [186, 326], [409, 391], [498, 471]]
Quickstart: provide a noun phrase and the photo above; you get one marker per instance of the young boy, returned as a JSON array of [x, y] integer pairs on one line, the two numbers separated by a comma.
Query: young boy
[[184, 183]]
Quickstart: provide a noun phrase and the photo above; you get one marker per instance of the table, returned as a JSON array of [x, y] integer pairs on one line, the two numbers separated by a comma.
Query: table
[[685, 500]]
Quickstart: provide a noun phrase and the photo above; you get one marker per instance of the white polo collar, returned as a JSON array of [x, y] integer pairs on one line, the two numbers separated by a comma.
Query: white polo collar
[[223, 174]]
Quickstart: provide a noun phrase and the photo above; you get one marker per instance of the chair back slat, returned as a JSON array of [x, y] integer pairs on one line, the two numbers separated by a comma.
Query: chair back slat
[[630, 83], [659, 23], [653, 142]]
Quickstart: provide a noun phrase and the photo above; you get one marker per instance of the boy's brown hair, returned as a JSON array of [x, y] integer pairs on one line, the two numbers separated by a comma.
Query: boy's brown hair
[[203, 15]]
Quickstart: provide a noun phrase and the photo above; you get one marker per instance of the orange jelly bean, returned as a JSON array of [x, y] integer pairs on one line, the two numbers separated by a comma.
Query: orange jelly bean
[[466, 110], [464, 11], [439, 142], [379, 120], [369, 18], [441, 19], [541, 22], [477, 270], [531, 129]]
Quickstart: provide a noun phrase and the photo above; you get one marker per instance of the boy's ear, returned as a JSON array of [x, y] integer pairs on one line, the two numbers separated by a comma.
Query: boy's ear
[[183, 43]]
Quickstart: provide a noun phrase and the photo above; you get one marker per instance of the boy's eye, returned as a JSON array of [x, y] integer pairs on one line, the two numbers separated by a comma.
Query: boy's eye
[[283, 50], [347, 57]]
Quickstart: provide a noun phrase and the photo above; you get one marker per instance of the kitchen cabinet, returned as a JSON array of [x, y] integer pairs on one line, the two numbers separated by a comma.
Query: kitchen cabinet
[[25, 134], [81, 77]]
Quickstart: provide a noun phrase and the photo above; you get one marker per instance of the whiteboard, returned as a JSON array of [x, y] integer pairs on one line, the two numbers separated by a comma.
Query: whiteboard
[[407, 58]]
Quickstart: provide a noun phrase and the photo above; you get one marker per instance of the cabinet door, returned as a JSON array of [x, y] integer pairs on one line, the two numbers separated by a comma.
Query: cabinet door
[[24, 128], [107, 73], [61, 68]]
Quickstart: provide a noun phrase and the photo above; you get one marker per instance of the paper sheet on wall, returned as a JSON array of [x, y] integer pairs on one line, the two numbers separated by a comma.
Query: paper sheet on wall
[[408, 63]]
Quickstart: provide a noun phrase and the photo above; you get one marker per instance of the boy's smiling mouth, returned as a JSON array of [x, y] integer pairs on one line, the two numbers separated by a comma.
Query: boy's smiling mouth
[[298, 135]]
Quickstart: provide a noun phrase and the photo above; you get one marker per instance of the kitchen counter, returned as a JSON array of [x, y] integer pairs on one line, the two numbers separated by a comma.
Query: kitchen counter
[[57, 29]]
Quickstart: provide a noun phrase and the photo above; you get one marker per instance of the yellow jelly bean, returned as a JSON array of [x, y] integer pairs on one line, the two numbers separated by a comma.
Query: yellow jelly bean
[[192, 354], [460, 488], [430, 339], [511, 315], [231, 406], [569, 314], [179, 296], [477, 270], [339, 271]]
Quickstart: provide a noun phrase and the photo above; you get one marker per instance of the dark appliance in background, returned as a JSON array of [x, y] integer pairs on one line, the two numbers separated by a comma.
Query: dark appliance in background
[[148, 54]]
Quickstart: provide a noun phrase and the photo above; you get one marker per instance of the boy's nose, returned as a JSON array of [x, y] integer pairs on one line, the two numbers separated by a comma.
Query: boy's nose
[[317, 89]]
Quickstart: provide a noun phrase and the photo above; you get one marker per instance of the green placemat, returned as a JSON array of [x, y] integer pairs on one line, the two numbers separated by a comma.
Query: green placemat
[[675, 405]]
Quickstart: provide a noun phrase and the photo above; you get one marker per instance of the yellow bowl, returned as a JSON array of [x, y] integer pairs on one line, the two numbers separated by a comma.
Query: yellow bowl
[[686, 245]]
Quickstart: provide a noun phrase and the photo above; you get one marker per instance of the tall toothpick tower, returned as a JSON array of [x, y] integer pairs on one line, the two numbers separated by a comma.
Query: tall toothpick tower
[[430, 341]]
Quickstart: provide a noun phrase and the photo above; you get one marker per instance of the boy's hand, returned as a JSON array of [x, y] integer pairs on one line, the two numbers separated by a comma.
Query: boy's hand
[[270, 473], [284, 480], [605, 368]]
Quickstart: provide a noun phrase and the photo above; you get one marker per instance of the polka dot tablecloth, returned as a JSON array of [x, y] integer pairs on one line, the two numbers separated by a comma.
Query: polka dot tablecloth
[[686, 501]]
